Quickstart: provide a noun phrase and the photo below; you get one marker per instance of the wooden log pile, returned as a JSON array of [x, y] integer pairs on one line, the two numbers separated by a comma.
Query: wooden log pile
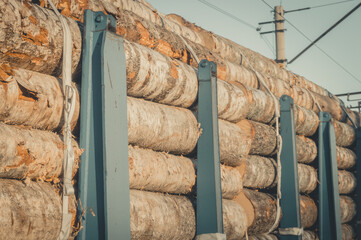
[[163, 132]]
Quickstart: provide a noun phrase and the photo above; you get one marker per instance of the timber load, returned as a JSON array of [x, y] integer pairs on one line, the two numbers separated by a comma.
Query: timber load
[[163, 131]]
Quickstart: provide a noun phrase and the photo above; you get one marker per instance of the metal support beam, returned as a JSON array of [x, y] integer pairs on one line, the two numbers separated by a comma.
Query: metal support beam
[[209, 194], [329, 198], [358, 186], [290, 201], [104, 170]]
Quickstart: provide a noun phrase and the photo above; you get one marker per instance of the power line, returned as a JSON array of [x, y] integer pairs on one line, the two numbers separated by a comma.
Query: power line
[[323, 51], [269, 45], [329, 4], [228, 14]]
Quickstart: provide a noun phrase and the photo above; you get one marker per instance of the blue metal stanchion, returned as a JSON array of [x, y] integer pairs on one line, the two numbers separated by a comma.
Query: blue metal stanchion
[[290, 225], [358, 186], [104, 170], [209, 194], [329, 198]]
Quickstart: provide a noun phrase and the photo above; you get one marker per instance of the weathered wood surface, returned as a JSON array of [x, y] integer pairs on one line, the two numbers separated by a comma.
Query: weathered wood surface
[[30, 153], [348, 232], [346, 182], [306, 121], [234, 220], [309, 235], [261, 172], [32, 38], [306, 149], [160, 216], [345, 134], [30, 211], [307, 178], [262, 237], [346, 158], [231, 181], [348, 209], [309, 211], [32, 99], [160, 127], [264, 139], [159, 171]]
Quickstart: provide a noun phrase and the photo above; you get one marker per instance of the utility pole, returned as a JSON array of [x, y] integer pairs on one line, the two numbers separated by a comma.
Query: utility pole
[[280, 36]]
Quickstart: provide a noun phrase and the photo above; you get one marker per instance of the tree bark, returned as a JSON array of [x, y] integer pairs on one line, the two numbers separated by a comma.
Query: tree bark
[[160, 172], [309, 235], [306, 121], [309, 212], [264, 139], [160, 127], [32, 99], [347, 232], [35, 154], [348, 209], [234, 220], [346, 182], [260, 172], [346, 158], [307, 178], [32, 38], [306, 149], [262, 237], [30, 211], [231, 181], [345, 134], [262, 106]]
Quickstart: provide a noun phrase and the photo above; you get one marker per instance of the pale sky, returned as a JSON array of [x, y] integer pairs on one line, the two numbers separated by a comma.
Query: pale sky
[[343, 43]]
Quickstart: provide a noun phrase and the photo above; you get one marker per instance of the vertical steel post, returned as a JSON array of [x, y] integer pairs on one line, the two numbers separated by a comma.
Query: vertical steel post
[[358, 186], [290, 225], [104, 170], [209, 194], [329, 198]]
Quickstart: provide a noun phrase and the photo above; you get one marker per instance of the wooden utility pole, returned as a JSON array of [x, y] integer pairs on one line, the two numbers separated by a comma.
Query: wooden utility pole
[[280, 36]]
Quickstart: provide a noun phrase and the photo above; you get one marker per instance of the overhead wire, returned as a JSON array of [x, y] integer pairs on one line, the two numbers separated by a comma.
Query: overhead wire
[[228, 14], [323, 51], [329, 4]]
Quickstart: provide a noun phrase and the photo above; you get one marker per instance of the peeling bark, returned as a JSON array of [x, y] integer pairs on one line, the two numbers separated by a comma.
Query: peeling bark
[[30, 211], [32, 99], [31, 37], [306, 149], [346, 158], [348, 209], [346, 182], [35, 154], [160, 172]]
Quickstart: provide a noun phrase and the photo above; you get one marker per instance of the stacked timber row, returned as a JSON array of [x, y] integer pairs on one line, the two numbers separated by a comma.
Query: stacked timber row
[[162, 130]]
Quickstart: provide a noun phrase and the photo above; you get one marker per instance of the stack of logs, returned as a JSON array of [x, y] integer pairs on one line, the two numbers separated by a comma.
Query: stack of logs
[[162, 130]]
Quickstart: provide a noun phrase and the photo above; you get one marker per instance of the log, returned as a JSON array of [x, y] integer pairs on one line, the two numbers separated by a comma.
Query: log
[[234, 220], [306, 149], [32, 38], [309, 235], [234, 141], [307, 178], [32, 99], [308, 211], [260, 210], [34, 154], [231, 181], [160, 172], [31, 211], [160, 216], [262, 106], [262, 237], [176, 220], [346, 182], [345, 134], [346, 158], [348, 232], [264, 139], [348, 209], [306, 121], [261, 173], [160, 127]]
